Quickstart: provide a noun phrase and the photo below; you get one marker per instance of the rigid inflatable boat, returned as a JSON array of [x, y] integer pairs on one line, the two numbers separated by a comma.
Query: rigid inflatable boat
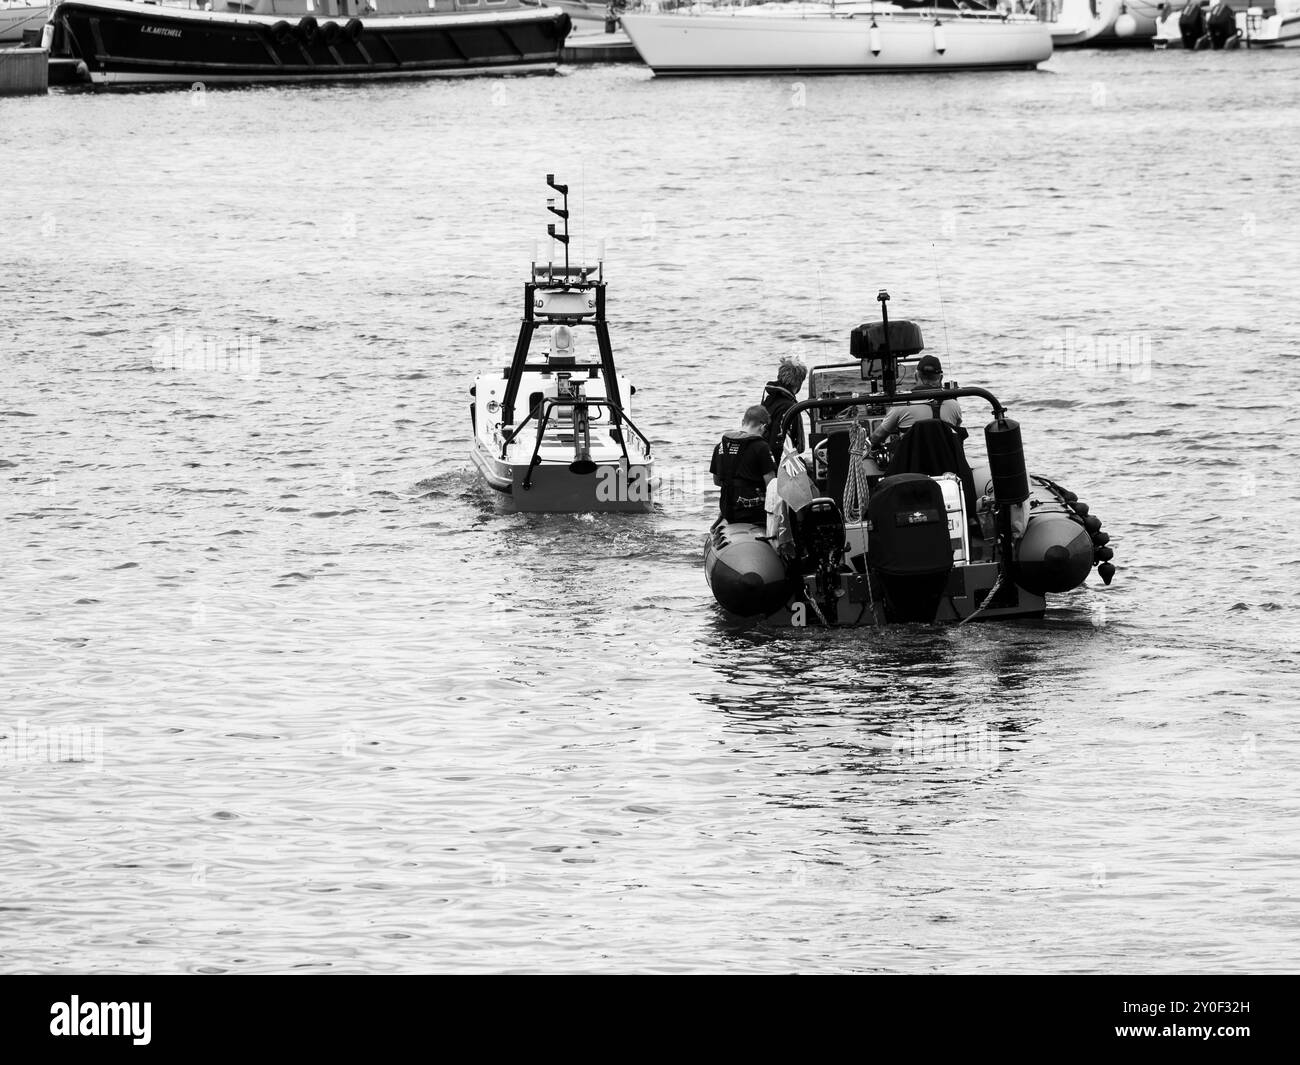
[[908, 533], [576, 448]]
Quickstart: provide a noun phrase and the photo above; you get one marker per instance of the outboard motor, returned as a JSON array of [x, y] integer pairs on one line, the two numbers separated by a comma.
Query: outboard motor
[[1191, 24], [909, 547], [1221, 24], [819, 535]]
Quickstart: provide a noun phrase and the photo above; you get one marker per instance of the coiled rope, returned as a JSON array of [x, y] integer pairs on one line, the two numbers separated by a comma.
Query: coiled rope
[[856, 495], [855, 488]]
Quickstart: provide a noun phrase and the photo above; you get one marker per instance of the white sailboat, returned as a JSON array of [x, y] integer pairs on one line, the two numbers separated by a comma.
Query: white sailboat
[[838, 38]]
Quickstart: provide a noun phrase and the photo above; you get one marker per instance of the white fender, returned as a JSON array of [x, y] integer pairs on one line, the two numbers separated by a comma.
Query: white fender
[[875, 38], [47, 36], [940, 42]]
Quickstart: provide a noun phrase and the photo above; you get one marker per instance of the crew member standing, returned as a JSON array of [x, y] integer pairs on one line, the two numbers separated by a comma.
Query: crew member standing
[[742, 467], [778, 397]]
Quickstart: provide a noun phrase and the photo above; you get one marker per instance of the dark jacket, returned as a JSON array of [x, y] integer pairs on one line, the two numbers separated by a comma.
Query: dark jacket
[[778, 399], [741, 464]]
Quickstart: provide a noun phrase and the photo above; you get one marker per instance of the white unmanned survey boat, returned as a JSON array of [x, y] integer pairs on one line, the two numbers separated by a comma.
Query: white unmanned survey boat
[[17, 17], [838, 38], [575, 447]]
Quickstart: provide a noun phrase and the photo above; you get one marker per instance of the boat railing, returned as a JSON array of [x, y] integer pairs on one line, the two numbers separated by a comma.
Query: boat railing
[[889, 399], [543, 410]]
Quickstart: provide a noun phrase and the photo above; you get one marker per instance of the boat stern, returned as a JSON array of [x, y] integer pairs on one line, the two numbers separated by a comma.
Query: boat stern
[[555, 488]]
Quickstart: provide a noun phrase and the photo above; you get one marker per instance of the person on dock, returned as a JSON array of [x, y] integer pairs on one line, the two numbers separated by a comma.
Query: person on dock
[[742, 467], [778, 397], [928, 374]]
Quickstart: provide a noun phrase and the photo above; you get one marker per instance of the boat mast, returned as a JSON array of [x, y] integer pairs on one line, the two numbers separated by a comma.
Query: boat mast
[[559, 212]]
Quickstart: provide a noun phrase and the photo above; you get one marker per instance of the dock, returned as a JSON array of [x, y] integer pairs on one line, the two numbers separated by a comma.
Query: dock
[[24, 71], [599, 48]]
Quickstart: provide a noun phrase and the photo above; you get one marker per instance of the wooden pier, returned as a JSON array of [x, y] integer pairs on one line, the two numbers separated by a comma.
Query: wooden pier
[[24, 71]]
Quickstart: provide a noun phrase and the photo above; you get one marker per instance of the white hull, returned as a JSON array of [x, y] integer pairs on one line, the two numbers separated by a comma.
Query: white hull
[[1280, 30], [549, 486], [1070, 22], [1143, 12], [1277, 30], [1099, 22], [19, 17], [818, 43]]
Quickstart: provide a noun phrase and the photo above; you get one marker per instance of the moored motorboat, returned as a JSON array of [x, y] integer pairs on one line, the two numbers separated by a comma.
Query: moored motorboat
[[1098, 23], [1070, 22], [1197, 26], [811, 38], [909, 534], [1272, 26], [585, 10], [575, 448], [1201, 25], [16, 18], [1126, 23], [124, 42]]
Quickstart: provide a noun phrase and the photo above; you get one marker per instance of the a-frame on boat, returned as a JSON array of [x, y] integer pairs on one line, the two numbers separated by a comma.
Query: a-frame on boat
[[553, 431]]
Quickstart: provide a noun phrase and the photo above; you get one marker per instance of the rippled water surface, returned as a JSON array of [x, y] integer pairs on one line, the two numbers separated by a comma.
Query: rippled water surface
[[356, 717]]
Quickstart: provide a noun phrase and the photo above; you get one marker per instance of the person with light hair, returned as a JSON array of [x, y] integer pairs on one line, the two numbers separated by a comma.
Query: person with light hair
[[778, 397]]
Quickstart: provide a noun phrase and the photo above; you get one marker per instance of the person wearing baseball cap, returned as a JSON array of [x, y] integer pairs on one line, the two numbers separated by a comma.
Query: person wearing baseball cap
[[928, 374]]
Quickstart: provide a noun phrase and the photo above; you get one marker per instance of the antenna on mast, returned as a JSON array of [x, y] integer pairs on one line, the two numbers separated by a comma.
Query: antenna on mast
[[559, 212], [938, 280]]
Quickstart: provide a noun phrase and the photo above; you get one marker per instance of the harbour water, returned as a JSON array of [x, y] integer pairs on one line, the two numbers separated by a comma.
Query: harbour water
[[286, 690]]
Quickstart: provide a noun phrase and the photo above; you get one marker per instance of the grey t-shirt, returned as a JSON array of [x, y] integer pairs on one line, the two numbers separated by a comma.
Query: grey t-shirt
[[907, 415]]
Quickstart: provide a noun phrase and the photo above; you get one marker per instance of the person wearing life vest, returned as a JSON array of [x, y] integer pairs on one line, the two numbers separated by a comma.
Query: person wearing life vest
[[778, 397], [928, 374], [742, 466]]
